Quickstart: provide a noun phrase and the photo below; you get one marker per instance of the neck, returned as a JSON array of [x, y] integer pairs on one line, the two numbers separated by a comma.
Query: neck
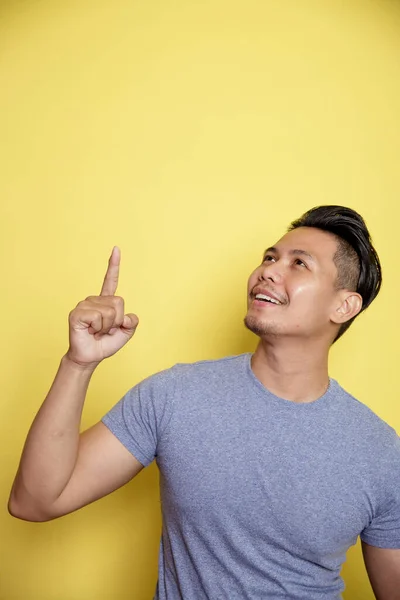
[[296, 371]]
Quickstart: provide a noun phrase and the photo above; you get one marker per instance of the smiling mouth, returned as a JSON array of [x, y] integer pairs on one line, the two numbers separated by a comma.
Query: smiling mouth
[[264, 299]]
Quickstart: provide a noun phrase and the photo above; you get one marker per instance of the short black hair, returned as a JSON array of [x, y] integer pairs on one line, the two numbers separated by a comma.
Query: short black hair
[[358, 265]]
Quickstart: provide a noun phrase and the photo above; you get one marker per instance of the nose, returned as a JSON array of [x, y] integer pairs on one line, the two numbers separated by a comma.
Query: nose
[[271, 271]]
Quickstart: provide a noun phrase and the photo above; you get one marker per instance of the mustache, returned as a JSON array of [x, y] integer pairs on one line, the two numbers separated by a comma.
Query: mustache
[[262, 289]]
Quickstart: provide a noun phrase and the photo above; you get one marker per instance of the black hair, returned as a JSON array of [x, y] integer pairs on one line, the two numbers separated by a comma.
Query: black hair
[[358, 265]]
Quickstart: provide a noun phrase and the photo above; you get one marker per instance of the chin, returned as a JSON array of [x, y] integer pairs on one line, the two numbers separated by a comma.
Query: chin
[[260, 327]]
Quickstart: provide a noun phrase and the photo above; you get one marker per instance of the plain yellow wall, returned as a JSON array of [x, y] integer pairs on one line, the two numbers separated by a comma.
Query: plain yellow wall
[[190, 134]]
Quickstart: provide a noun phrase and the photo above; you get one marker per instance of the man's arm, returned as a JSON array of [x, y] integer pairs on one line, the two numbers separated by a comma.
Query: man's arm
[[103, 465], [60, 469], [383, 568]]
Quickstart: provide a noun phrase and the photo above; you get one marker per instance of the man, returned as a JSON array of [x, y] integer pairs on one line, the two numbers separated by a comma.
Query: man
[[269, 469]]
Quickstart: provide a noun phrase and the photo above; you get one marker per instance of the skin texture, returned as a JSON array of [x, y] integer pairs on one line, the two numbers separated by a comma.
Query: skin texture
[[291, 359], [61, 469], [312, 306], [383, 568]]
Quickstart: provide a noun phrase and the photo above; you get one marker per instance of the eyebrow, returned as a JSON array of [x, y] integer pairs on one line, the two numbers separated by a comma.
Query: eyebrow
[[294, 252]]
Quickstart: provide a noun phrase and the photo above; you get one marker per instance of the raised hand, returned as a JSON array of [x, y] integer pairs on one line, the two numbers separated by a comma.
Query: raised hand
[[98, 326]]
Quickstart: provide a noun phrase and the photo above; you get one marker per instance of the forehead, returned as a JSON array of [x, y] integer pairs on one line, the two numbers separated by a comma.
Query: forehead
[[322, 245]]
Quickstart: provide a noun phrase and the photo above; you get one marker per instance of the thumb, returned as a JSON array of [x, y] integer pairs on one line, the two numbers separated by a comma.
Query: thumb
[[129, 324]]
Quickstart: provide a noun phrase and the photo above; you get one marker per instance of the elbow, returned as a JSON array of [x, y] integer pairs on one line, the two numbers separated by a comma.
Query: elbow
[[26, 513]]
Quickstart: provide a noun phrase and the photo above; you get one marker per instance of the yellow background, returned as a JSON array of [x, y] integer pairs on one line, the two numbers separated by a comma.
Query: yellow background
[[190, 134]]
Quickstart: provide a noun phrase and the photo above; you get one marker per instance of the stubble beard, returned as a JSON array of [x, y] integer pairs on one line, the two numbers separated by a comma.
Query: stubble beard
[[260, 328]]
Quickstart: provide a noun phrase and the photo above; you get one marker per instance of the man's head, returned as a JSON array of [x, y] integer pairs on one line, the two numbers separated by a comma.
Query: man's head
[[320, 276]]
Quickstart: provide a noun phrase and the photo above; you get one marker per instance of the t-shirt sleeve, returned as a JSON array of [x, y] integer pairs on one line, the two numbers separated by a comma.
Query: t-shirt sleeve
[[139, 419], [384, 529]]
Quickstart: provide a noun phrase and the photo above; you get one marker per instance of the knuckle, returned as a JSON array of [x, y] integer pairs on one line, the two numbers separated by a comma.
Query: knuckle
[[108, 312], [75, 312], [119, 306]]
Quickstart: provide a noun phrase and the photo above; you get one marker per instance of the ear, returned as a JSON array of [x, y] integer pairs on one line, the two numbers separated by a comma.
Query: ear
[[348, 306]]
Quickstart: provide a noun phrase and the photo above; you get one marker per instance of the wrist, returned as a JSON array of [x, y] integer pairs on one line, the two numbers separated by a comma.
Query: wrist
[[70, 363]]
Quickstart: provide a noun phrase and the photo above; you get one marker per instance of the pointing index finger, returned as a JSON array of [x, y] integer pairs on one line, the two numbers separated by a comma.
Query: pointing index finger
[[110, 282]]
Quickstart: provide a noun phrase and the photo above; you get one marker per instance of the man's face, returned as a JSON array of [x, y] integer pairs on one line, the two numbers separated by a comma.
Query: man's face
[[299, 274]]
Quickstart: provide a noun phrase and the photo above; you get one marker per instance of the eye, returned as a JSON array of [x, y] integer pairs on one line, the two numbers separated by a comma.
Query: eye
[[298, 261], [268, 258]]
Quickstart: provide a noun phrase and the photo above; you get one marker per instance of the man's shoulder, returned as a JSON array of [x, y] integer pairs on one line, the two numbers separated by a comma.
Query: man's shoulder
[[207, 371], [362, 417], [203, 371], [215, 364]]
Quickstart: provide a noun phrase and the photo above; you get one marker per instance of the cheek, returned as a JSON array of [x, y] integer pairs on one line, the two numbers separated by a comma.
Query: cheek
[[307, 295], [253, 279], [311, 300]]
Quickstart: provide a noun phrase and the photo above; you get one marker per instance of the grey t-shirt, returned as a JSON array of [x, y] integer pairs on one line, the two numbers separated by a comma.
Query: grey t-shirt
[[261, 497]]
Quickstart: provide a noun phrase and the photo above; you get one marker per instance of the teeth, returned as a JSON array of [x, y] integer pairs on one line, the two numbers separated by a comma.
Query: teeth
[[267, 298]]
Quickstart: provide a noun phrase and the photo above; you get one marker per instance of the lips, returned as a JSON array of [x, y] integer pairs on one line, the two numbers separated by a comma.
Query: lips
[[267, 292]]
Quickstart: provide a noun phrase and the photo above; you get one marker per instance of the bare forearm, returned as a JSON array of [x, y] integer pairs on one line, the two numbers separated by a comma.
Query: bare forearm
[[98, 328], [51, 448]]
